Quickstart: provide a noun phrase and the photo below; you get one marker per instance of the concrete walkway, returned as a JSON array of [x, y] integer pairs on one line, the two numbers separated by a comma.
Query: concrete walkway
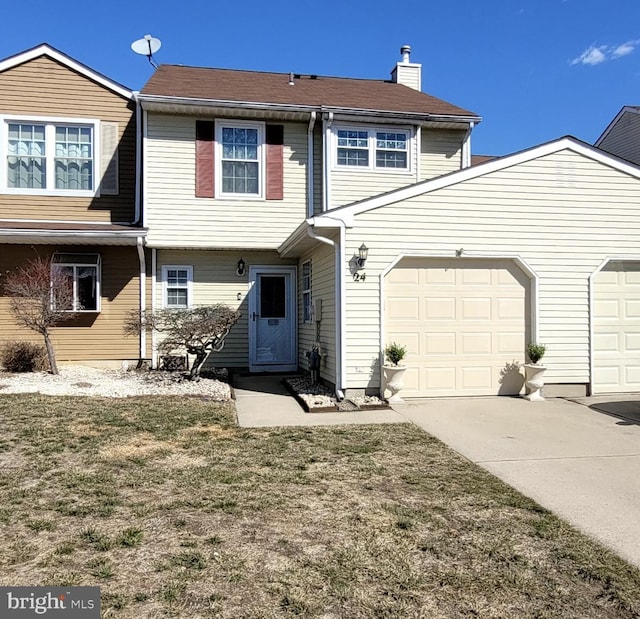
[[262, 401], [579, 462]]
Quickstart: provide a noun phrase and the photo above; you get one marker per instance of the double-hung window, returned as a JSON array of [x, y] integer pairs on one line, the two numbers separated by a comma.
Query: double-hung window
[[306, 292], [241, 158], [177, 281], [50, 156], [82, 272], [373, 148]]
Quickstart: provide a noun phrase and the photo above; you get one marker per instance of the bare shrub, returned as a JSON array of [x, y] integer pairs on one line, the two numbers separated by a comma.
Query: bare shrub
[[199, 331], [23, 357], [41, 296]]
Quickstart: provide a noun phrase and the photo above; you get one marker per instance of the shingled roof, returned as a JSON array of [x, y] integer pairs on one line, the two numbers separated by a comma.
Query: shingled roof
[[307, 90]]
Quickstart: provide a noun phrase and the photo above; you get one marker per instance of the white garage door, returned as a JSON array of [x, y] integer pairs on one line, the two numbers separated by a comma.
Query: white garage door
[[464, 322], [616, 328]]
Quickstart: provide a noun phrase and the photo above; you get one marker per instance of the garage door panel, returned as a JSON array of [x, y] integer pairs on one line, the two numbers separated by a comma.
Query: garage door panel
[[440, 308], [480, 277], [400, 308], [475, 343], [510, 308], [509, 344], [632, 308], [473, 321], [440, 344], [616, 328], [475, 308]]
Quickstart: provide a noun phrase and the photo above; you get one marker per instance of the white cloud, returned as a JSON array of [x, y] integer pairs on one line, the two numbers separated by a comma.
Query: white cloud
[[625, 49], [597, 54]]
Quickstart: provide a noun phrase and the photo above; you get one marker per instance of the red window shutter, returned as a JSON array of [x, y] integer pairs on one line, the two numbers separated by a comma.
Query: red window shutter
[[204, 159], [275, 166]]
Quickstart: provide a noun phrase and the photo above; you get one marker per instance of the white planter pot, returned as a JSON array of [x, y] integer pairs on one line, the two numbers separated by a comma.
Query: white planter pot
[[393, 375], [534, 380]]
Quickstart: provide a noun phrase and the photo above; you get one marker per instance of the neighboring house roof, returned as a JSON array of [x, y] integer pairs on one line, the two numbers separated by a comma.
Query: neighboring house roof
[[478, 159], [632, 109], [499, 163], [69, 233], [203, 84], [58, 56]]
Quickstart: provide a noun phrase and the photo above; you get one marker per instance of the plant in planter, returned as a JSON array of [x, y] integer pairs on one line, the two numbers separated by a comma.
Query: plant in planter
[[534, 372], [393, 371]]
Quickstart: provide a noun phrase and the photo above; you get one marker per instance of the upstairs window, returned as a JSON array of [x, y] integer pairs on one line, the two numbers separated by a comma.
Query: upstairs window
[[83, 273], [241, 159], [50, 157], [373, 148], [391, 149], [353, 148]]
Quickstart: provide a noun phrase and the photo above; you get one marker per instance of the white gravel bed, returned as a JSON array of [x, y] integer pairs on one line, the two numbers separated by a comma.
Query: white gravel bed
[[85, 381]]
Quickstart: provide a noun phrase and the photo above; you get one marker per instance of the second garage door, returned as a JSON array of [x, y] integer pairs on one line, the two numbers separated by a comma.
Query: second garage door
[[464, 322], [617, 328]]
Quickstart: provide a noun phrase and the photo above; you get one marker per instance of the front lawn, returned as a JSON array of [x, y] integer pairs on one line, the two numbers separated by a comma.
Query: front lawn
[[175, 512]]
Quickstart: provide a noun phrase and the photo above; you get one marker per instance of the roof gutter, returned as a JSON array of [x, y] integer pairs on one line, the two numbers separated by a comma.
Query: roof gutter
[[305, 109]]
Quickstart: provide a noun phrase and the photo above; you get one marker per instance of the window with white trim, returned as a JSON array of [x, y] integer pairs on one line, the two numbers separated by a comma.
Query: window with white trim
[[177, 286], [307, 314], [373, 148], [49, 156], [83, 273], [241, 158]]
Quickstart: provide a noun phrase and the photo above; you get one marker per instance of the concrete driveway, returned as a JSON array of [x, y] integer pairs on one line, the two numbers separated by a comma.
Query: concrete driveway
[[581, 463]]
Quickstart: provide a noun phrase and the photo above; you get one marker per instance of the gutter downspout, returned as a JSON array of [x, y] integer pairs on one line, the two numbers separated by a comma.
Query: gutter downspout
[[466, 147], [138, 190], [310, 200], [143, 293], [339, 289], [326, 195], [154, 266]]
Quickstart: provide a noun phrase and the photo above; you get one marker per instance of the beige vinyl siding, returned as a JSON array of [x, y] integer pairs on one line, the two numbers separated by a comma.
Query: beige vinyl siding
[[323, 289], [89, 336], [440, 152], [175, 216], [43, 87], [563, 214], [215, 281], [350, 184], [624, 138]]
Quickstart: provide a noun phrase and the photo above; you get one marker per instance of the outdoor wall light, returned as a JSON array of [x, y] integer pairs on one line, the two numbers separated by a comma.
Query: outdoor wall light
[[240, 269], [363, 252]]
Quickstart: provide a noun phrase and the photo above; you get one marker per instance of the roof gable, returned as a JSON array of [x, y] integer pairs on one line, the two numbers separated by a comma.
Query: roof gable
[[566, 143], [627, 109], [67, 61], [227, 85]]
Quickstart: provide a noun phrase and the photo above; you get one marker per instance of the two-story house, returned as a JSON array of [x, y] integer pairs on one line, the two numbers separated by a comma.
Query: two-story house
[[345, 212], [68, 191]]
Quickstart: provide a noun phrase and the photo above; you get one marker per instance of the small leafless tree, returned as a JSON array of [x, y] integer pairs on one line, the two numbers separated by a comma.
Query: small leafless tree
[[199, 331], [41, 298]]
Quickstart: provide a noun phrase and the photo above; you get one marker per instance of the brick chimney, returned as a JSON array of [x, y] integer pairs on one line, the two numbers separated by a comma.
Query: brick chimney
[[406, 72]]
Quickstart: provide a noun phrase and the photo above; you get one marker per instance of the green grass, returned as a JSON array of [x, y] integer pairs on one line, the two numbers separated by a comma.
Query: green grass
[[175, 512]]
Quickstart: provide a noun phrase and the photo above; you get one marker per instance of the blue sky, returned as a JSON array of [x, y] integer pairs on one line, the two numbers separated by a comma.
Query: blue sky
[[534, 70]]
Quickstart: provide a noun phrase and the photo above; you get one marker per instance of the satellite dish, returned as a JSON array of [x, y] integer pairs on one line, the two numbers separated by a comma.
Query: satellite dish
[[147, 46]]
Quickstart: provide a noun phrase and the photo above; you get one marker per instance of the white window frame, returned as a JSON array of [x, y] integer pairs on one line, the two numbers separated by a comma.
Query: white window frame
[[307, 312], [95, 262], [261, 128], [50, 123], [165, 285], [372, 130]]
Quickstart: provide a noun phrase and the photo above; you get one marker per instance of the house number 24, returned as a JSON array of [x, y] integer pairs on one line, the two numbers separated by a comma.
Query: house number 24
[[357, 277]]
